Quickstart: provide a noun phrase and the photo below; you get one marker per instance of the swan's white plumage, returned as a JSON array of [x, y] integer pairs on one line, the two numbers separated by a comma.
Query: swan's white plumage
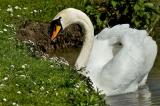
[[112, 68], [129, 67]]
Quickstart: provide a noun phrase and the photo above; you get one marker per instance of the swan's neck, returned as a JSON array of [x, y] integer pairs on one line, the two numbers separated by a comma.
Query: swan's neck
[[83, 57], [73, 16]]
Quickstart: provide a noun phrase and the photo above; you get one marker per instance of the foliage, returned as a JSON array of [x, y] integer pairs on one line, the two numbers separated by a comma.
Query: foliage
[[140, 14]]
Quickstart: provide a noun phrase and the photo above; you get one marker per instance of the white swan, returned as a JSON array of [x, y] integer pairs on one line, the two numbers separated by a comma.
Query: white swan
[[113, 68]]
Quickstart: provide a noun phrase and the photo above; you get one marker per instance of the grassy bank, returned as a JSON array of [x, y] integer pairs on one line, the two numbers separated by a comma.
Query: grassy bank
[[30, 81]]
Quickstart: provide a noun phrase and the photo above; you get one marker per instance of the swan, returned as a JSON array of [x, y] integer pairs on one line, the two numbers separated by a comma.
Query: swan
[[117, 60]]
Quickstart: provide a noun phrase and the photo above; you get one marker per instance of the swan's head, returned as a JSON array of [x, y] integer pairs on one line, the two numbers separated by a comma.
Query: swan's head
[[55, 28], [70, 16], [67, 17]]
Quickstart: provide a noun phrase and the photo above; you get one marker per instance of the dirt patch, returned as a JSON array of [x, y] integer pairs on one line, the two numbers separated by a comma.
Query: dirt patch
[[67, 44]]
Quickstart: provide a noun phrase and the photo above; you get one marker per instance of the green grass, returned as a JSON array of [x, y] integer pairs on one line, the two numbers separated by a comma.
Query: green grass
[[30, 81]]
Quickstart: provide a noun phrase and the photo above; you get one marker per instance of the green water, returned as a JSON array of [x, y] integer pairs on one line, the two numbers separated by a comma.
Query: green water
[[70, 54]]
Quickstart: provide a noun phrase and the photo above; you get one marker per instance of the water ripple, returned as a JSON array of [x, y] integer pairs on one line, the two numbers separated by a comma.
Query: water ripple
[[149, 95]]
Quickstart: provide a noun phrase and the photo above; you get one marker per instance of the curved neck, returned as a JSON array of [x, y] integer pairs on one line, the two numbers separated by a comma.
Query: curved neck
[[84, 55], [73, 16]]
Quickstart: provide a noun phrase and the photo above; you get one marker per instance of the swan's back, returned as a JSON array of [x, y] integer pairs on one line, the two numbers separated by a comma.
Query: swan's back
[[128, 68]]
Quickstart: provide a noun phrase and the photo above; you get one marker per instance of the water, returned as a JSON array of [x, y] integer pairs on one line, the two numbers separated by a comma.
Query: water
[[149, 95], [70, 54]]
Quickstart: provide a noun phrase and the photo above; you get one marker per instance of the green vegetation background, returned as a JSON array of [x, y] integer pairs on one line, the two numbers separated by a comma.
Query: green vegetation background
[[30, 81]]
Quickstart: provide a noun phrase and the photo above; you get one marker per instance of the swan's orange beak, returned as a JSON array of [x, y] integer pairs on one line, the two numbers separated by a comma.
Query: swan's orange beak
[[55, 32]]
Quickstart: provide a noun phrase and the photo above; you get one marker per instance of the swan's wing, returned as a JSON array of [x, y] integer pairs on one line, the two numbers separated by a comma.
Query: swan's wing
[[126, 70], [130, 65], [150, 50], [101, 54], [115, 31], [102, 48]]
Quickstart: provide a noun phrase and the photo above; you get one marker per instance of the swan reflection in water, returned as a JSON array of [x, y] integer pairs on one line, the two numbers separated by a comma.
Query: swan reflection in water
[[141, 97], [149, 95]]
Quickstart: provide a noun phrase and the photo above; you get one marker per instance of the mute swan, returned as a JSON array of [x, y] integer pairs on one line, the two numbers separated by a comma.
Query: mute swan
[[113, 69]]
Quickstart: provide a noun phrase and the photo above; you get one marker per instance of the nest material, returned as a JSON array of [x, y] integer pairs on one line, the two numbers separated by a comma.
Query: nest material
[[37, 32]]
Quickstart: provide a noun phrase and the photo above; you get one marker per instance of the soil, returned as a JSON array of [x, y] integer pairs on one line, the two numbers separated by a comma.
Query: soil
[[67, 44]]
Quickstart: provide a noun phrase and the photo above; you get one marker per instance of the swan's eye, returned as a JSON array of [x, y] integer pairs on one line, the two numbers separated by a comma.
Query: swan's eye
[[55, 28]]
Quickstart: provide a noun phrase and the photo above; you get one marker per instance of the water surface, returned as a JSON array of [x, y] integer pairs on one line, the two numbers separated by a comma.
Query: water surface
[[149, 95]]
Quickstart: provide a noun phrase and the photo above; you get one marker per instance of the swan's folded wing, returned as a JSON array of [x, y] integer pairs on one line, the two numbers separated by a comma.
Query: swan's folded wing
[[130, 65], [115, 31]]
